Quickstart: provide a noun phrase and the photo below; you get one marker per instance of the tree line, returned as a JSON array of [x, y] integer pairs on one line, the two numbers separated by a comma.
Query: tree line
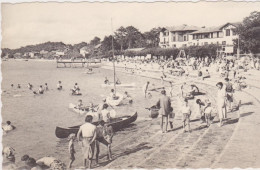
[[130, 37]]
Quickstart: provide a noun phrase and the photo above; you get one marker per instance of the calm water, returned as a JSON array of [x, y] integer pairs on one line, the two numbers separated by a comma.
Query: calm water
[[37, 116]]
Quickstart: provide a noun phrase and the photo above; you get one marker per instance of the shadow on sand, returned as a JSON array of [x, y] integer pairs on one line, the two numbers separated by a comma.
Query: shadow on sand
[[141, 146], [246, 104], [246, 114]]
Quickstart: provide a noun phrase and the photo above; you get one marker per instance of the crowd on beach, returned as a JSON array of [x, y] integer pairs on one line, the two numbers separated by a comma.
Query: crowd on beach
[[90, 136]]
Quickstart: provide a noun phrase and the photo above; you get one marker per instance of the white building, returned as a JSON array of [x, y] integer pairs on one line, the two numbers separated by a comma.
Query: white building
[[222, 35], [176, 36], [84, 51]]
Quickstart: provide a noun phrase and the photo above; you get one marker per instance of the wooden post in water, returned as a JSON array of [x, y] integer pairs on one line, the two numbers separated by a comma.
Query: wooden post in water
[[113, 59]]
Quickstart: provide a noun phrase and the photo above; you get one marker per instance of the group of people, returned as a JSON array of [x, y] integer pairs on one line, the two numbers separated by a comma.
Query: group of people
[[47, 162], [90, 136], [41, 89], [106, 81]]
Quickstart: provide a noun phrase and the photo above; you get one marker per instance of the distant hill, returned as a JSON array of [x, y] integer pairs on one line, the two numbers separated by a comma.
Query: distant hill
[[47, 46]]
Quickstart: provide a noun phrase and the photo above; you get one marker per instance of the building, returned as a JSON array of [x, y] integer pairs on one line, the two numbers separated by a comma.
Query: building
[[222, 35], [84, 51], [176, 36]]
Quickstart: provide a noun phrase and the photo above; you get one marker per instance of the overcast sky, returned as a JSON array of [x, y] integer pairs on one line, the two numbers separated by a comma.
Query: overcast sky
[[32, 23]]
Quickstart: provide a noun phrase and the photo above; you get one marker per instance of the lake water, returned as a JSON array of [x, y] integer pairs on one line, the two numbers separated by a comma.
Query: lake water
[[36, 117]]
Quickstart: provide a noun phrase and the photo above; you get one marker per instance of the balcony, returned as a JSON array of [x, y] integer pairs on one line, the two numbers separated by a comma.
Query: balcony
[[166, 42]]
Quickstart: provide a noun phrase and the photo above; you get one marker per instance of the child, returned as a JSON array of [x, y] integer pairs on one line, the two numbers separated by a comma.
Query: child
[[186, 112], [71, 138], [46, 87], [59, 86], [41, 90], [200, 110], [207, 110]]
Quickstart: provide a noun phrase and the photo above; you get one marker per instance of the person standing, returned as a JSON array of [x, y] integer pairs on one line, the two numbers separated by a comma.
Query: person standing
[[105, 134], [221, 103], [186, 112], [208, 110], [229, 91], [164, 103], [145, 88], [201, 110], [72, 152], [88, 133]]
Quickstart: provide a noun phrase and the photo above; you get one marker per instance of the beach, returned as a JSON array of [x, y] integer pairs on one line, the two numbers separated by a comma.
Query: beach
[[140, 145]]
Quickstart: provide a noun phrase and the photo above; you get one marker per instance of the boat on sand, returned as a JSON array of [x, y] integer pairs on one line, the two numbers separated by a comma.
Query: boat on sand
[[116, 123]]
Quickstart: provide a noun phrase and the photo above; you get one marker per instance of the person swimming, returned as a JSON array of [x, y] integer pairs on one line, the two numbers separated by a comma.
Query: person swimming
[[41, 90], [128, 97], [118, 81], [46, 87], [18, 86], [12, 85], [59, 86], [79, 105], [8, 153], [106, 81], [8, 126], [30, 86]]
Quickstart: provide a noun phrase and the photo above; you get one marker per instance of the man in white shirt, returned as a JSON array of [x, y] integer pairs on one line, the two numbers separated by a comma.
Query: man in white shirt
[[88, 133]]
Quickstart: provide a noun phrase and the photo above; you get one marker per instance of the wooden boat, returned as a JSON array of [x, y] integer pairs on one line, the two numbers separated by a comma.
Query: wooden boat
[[119, 85], [116, 123]]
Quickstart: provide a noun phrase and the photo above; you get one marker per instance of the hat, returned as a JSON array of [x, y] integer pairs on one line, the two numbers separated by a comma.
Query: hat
[[71, 136]]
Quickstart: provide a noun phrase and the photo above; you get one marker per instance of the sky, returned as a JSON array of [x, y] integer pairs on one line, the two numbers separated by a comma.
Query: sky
[[33, 23]]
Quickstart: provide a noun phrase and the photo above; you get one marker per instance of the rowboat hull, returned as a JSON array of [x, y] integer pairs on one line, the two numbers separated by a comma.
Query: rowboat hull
[[116, 123]]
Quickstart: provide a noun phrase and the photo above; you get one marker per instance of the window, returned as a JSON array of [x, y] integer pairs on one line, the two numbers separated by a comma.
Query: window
[[173, 38], [166, 33], [217, 34], [184, 37], [223, 42], [211, 35], [228, 32], [206, 36], [174, 45]]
